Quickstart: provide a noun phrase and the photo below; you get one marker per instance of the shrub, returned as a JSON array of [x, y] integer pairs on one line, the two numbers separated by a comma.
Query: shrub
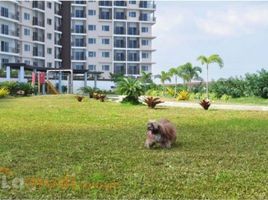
[[234, 87], [3, 92], [256, 84], [183, 95], [225, 97], [171, 91], [132, 88], [87, 90], [205, 104], [16, 87], [79, 98], [152, 102], [26, 88]]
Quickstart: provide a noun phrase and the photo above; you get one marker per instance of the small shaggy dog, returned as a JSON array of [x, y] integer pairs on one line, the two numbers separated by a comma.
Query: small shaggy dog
[[162, 132]]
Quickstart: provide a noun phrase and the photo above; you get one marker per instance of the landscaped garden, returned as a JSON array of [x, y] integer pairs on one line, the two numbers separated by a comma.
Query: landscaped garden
[[62, 148]]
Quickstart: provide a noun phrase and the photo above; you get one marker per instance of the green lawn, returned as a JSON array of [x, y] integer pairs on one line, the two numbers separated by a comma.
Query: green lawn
[[241, 101], [219, 154]]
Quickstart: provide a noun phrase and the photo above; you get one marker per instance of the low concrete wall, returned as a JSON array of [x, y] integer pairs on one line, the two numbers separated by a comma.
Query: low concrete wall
[[103, 85]]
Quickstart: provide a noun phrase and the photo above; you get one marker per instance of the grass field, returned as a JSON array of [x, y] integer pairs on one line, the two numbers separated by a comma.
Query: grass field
[[241, 101], [98, 148]]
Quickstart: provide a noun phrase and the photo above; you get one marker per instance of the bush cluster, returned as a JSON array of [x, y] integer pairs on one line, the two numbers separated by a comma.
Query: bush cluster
[[16, 88], [255, 84]]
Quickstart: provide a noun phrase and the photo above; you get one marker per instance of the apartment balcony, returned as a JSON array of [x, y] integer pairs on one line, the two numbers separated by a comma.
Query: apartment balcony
[[147, 18], [9, 15], [38, 53], [9, 33], [38, 38], [79, 44], [120, 16], [57, 11], [119, 31], [81, 57], [120, 3], [38, 22], [147, 4], [10, 49], [105, 15], [133, 46], [132, 31], [57, 42], [57, 27], [119, 57], [39, 5], [133, 58], [80, 2], [105, 3], [78, 15], [58, 56], [79, 30], [119, 44]]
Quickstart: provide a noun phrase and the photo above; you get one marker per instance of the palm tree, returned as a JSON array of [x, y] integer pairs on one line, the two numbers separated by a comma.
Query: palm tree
[[132, 88], [163, 76], [189, 72], [209, 60], [146, 78], [174, 71]]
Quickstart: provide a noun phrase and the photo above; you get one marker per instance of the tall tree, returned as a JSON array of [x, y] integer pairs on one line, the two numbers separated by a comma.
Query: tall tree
[[174, 71], [164, 76], [146, 78], [190, 72], [214, 58]]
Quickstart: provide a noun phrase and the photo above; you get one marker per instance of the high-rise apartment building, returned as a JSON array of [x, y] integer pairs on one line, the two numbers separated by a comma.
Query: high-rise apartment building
[[30, 33], [107, 36]]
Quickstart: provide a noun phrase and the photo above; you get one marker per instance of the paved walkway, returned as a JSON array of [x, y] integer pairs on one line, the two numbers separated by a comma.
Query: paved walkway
[[216, 106], [118, 98]]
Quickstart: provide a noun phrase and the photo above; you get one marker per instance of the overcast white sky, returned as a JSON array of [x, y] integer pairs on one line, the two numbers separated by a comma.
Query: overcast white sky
[[237, 31]]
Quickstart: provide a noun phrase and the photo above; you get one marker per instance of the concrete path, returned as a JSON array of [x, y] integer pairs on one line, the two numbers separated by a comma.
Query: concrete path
[[118, 98], [215, 106]]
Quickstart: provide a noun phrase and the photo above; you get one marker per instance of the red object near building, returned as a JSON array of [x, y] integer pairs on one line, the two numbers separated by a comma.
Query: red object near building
[[33, 78], [42, 77]]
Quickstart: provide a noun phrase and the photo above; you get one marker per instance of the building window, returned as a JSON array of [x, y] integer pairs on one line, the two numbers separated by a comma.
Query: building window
[[4, 46], [49, 65], [132, 2], [145, 42], [91, 27], [28, 62], [144, 68], [105, 67], [91, 40], [92, 67], [105, 54], [145, 55], [105, 41], [26, 16], [27, 31], [91, 54], [4, 29], [49, 4], [105, 28], [145, 29], [49, 36], [4, 12], [49, 21], [91, 12], [49, 50], [27, 47], [132, 14]]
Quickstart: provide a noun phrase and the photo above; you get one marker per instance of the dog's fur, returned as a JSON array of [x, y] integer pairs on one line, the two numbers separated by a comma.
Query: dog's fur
[[162, 132]]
